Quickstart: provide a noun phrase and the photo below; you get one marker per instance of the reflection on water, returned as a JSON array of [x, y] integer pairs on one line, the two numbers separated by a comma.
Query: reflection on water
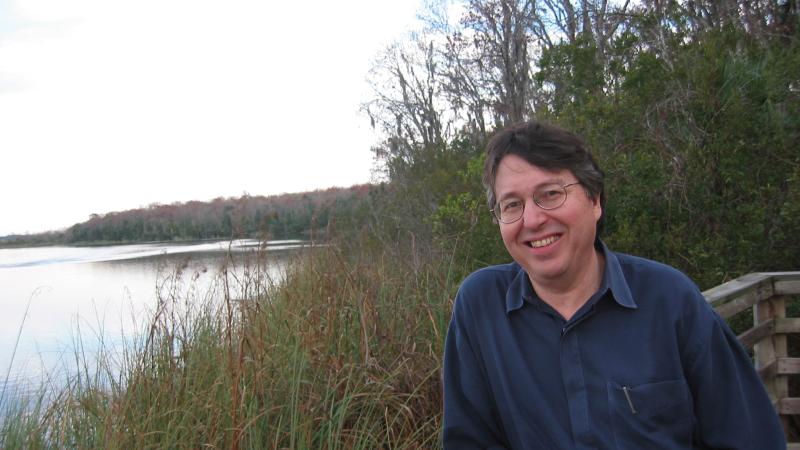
[[36, 256], [57, 299]]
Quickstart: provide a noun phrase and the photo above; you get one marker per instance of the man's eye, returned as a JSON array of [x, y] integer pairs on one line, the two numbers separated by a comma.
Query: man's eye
[[551, 193], [510, 205]]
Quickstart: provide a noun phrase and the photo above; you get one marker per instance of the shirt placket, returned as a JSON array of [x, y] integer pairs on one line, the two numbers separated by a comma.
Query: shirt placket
[[575, 387]]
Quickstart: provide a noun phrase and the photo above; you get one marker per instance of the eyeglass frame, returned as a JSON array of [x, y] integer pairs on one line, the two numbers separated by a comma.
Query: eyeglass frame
[[536, 202]]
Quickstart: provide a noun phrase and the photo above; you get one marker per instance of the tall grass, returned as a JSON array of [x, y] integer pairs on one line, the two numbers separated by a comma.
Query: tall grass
[[342, 354]]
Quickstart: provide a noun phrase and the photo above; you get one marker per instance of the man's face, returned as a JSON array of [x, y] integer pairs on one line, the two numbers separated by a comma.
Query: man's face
[[553, 246]]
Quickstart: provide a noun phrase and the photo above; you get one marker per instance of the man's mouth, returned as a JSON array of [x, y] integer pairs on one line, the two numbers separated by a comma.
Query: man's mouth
[[544, 242]]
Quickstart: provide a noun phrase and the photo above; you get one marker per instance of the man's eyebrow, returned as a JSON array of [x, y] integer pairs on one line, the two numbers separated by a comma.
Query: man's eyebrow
[[554, 180]]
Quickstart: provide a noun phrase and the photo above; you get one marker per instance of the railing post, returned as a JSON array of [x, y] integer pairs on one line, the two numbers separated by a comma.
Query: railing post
[[769, 350]]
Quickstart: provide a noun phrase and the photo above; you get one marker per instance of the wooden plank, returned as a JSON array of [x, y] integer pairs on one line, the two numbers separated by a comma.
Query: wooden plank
[[772, 349], [756, 286], [768, 350], [786, 275], [780, 366], [785, 283], [787, 287], [778, 310], [788, 366], [787, 325], [737, 295], [755, 334], [736, 305], [789, 406]]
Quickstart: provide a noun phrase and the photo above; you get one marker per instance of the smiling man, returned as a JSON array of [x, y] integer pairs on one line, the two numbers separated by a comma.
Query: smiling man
[[573, 346]]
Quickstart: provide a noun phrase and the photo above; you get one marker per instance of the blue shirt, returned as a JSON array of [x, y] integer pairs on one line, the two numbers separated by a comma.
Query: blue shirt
[[646, 363]]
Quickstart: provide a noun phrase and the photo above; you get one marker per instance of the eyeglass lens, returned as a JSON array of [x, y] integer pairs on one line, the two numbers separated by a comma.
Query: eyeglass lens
[[550, 196]]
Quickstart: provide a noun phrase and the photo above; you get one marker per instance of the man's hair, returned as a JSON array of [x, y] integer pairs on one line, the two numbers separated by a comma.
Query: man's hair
[[548, 147]]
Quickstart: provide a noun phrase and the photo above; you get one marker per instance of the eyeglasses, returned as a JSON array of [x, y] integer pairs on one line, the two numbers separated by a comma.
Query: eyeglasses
[[548, 196]]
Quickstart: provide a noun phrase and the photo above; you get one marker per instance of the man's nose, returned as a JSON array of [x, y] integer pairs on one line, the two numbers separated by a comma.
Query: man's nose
[[533, 216]]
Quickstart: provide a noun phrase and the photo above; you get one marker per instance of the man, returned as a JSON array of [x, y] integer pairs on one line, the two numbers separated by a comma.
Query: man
[[573, 346]]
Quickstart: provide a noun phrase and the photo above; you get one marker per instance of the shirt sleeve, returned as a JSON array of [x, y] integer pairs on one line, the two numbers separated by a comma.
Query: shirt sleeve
[[732, 408], [470, 420]]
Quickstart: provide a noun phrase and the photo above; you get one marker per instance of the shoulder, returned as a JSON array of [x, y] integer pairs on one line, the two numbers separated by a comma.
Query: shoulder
[[666, 292], [669, 298], [654, 277], [487, 277], [487, 287], [662, 289]]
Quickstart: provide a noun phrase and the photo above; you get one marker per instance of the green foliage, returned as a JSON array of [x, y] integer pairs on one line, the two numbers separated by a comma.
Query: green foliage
[[697, 134], [570, 73], [405, 209], [700, 155], [463, 221]]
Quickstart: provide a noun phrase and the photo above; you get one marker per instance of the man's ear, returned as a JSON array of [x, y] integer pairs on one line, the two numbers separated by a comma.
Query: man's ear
[[597, 208]]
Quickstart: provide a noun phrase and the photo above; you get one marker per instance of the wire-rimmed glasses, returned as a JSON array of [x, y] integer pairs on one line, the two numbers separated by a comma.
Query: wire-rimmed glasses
[[548, 196]]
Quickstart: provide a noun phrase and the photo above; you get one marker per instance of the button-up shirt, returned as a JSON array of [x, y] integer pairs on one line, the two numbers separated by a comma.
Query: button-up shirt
[[645, 363]]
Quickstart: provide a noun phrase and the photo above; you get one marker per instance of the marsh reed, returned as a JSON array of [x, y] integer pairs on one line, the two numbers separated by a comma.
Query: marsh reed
[[343, 353]]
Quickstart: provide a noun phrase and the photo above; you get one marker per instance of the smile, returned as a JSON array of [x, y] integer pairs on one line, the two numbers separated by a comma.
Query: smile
[[544, 242]]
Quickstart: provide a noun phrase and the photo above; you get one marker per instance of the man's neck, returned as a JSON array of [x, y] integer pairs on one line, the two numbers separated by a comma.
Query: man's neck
[[568, 295]]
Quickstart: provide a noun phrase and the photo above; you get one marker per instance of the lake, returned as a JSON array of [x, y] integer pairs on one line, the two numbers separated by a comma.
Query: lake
[[56, 300]]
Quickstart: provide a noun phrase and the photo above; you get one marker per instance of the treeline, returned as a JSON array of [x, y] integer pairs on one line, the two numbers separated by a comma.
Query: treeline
[[691, 108], [285, 216]]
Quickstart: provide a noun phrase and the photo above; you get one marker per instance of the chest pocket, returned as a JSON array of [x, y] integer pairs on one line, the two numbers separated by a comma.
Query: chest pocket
[[653, 416]]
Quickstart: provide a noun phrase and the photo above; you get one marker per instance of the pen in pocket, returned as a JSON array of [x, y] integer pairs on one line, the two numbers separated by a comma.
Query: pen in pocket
[[626, 390]]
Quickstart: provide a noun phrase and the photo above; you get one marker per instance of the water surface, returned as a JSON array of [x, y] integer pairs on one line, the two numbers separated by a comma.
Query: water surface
[[56, 300]]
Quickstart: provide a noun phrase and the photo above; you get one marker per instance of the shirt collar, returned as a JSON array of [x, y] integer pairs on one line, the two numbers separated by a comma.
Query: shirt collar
[[519, 290], [613, 280]]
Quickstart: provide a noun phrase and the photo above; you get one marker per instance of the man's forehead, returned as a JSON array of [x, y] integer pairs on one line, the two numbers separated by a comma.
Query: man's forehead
[[513, 171]]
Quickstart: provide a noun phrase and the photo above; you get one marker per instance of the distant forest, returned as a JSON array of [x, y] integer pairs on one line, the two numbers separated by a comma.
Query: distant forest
[[285, 216]]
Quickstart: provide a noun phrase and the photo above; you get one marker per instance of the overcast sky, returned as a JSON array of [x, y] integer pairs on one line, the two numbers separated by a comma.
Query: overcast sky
[[107, 105]]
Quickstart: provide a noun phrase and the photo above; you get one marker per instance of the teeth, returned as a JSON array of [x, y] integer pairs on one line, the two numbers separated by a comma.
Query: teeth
[[543, 242]]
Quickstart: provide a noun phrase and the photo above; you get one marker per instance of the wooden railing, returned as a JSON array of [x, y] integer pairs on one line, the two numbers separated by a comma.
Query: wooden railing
[[766, 294]]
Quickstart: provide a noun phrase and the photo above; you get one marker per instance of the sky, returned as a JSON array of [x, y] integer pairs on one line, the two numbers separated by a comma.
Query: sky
[[108, 105]]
